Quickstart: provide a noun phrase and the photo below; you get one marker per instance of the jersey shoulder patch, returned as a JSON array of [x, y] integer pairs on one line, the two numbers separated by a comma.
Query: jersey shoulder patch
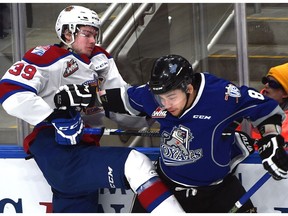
[[45, 55]]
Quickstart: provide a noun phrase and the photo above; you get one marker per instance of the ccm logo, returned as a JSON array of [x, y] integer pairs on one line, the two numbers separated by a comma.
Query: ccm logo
[[201, 117], [71, 127]]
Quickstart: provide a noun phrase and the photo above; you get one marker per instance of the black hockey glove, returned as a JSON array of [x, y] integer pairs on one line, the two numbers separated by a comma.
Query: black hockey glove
[[273, 155], [75, 96]]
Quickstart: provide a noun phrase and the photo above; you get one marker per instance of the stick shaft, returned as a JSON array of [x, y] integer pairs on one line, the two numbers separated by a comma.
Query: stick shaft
[[250, 192], [107, 131]]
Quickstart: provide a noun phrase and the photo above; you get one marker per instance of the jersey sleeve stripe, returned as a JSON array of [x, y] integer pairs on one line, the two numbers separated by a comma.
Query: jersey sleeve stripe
[[11, 87]]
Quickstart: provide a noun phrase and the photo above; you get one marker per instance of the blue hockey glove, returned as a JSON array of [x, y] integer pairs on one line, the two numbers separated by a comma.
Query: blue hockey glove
[[75, 96], [68, 130], [273, 155]]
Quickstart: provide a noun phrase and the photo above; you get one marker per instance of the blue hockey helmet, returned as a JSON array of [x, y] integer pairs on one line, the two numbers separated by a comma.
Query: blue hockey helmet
[[170, 72]]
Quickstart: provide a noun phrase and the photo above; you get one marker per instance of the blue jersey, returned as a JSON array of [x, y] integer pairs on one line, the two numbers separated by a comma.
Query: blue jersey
[[194, 151]]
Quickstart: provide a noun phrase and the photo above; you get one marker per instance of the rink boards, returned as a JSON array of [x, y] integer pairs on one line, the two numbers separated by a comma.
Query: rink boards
[[24, 189]]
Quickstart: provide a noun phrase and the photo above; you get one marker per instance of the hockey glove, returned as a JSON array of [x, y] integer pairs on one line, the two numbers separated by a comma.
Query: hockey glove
[[274, 157], [75, 96], [69, 130]]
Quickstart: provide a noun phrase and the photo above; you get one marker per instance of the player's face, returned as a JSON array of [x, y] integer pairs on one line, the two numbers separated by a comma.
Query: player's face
[[273, 89], [174, 101], [85, 40]]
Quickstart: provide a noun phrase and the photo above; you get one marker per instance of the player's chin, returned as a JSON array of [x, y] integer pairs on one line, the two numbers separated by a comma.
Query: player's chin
[[174, 112], [88, 53]]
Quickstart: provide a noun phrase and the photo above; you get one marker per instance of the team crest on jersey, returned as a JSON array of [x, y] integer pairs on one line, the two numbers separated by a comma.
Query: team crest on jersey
[[71, 67], [40, 50], [175, 147], [232, 91], [159, 113]]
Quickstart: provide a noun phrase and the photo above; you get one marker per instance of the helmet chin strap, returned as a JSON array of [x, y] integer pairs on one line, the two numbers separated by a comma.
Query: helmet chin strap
[[69, 45], [188, 95], [185, 107]]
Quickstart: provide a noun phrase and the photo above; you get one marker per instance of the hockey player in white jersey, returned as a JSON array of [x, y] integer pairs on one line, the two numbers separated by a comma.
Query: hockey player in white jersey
[[72, 163], [196, 113]]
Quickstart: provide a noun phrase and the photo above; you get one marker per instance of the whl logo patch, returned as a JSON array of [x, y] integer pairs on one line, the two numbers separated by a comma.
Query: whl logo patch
[[159, 113], [71, 67]]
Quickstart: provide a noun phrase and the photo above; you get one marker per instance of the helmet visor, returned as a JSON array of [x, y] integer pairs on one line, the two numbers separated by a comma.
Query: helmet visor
[[171, 100]]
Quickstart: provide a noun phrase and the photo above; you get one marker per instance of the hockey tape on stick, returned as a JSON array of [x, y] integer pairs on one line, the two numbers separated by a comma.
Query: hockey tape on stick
[[107, 131], [250, 192]]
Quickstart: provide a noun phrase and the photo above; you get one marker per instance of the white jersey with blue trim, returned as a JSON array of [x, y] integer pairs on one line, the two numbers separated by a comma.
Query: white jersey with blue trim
[[28, 87], [194, 151]]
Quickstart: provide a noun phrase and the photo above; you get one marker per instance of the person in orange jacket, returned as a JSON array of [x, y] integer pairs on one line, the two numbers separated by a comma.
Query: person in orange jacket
[[276, 87]]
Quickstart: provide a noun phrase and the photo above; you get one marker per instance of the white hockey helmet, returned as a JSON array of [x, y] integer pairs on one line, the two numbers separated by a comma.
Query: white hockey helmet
[[72, 16]]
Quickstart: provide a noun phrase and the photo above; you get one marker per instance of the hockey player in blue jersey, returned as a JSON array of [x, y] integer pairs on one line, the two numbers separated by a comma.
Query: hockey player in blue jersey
[[196, 113]]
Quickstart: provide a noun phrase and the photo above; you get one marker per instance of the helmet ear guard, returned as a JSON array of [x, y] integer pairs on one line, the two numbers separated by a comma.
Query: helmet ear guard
[[170, 72], [71, 17]]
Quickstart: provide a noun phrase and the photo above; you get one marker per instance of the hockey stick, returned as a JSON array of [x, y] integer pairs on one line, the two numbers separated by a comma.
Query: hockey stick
[[107, 131], [249, 193]]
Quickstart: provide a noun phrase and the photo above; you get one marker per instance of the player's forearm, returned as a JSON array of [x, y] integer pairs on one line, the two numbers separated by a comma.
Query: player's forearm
[[116, 100], [271, 126], [113, 100], [28, 107]]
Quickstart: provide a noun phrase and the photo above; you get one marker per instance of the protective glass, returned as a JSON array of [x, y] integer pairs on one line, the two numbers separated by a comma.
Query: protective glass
[[170, 99], [272, 83]]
